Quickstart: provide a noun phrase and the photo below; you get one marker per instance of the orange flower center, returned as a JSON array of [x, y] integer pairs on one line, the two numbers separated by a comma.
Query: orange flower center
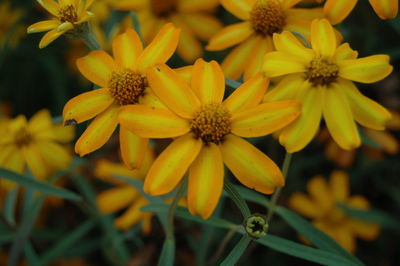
[[126, 86], [321, 72], [68, 14], [211, 123], [163, 8], [22, 138], [267, 17]]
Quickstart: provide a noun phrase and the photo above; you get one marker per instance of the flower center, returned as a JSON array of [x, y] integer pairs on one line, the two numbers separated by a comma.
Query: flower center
[[126, 86], [321, 72], [211, 123], [68, 14], [267, 17], [163, 8], [22, 138]]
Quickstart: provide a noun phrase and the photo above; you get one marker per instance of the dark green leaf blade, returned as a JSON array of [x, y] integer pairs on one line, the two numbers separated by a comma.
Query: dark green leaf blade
[[237, 251]]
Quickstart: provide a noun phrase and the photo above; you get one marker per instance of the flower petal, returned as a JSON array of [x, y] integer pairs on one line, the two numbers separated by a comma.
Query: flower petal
[[364, 230], [126, 49], [35, 162], [286, 88], [49, 149], [286, 4], [87, 105], [189, 48], [133, 148], [49, 37], [97, 67], [115, 199], [98, 132], [240, 8], [173, 90], [367, 69], [255, 63], [193, 6], [323, 39], [250, 166], [297, 135], [337, 10], [344, 52], [265, 118], [248, 94], [365, 111], [302, 204], [12, 158], [132, 215], [206, 179], [202, 25], [279, 63], [50, 5], [385, 8], [385, 140], [230, 36], [339, 185], [208, 83], [43, 26], [321, 194], [170, 166], [339, 118], [149, 122], [160, 49], [288, 43]]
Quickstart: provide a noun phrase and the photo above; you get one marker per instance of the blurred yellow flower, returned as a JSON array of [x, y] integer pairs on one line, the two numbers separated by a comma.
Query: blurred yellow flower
[[123, 81], [321, 206], [206, 132], [10, 29], [262, 18], [68, 15], [194, 17], [321, 79], [123, 195], [34, 143]]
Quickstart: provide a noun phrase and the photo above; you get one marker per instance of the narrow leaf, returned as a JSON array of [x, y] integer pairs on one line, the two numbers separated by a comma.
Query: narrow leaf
[[168, 253], [237, 251]]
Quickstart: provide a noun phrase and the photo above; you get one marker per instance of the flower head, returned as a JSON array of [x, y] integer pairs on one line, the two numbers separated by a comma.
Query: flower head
[[262, 18], [34, 143], [123, 81], [207, 133], [321, 206], [68, 15], [193, 17], [321, 78]]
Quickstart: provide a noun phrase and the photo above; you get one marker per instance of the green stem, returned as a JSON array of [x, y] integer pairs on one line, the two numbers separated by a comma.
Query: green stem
[[275, 196], [172, 208], [90, 40], [239, 201], [222, 247]]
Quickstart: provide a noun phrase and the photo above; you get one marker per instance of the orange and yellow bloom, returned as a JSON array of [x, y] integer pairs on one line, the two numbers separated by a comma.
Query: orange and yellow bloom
[[321, 78], [253, 36], [123, 81], [68, 15], [208, 133], [321, 206]]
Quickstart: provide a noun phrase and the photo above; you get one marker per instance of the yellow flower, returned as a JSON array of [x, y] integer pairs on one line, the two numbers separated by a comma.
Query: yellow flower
[[207, 133], [68, 15], [321, 79], [123, 195], [10, 32], [35, 143], [262, 18], [193, 17], [123, 81], [337, 10], [321, 206]]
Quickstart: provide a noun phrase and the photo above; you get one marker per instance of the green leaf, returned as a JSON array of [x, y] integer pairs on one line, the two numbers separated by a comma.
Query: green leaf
[[318, 238], [304, 252], [168, 253], [252, 196], [39, 186], [373, 215], [232, 83], [237, 251], [237, 198], [67, 241], [9, 206], [31, 256]]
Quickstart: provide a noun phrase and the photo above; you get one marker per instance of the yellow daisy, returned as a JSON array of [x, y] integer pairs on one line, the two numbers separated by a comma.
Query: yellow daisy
[[68, 15], [123, 81], [207, 133], [321, 206], [253, 36], [321, 79], [123, 195], [337, 10], [194, 17], [34, 143]]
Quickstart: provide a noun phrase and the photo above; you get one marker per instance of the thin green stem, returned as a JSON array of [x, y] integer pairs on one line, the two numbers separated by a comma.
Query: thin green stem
[[172, 209], [275, 196], [90, 40], [239, 201], [222, 247]]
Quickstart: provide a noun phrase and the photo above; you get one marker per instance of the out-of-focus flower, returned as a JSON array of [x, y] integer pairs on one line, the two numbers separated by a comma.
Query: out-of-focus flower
[[262, 18], [36, 143], [194, 17], [123, 81], [123, 195], [321, 206], [68, 15], [383, 141], [206, 132], [10, 29], [321, 78]]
